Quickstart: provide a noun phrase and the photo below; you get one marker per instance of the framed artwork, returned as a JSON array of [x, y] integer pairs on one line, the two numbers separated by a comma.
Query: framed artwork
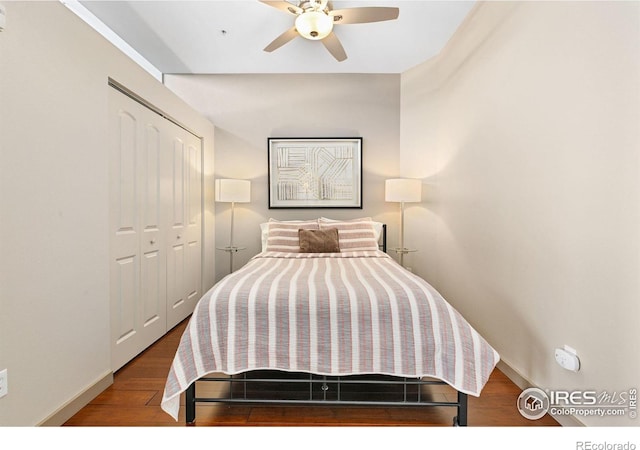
[[315, 172]]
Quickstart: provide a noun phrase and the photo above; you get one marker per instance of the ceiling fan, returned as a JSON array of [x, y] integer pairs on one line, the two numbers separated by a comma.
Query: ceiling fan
[[315, 20]]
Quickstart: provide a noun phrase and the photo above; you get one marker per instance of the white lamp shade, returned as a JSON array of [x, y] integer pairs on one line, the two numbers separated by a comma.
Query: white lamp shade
[[403, 190], [229, 190]]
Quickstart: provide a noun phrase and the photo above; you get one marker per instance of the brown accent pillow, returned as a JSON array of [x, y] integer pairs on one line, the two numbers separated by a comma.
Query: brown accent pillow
[[319, 241]]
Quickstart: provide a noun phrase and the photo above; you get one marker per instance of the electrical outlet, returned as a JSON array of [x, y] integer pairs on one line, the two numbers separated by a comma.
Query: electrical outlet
[[567, 358], [4, 383]]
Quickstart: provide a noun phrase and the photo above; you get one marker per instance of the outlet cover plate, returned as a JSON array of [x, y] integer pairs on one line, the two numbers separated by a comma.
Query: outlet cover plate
[[4, 383]]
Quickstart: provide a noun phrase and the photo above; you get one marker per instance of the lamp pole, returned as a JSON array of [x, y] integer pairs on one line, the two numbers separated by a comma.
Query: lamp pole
[[402, 190], [231, 248], [402, 249], [232, 191]]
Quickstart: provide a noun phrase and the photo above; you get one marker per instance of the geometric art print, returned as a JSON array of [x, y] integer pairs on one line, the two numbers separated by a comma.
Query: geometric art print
[[315, 173]]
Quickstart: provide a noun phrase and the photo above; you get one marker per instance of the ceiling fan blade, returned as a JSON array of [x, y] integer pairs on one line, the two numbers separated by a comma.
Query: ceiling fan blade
[[335, 47], [364, 15], [283, 5], [281, 40]]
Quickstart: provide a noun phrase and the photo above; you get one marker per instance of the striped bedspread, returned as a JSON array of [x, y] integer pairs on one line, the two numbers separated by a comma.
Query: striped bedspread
[[328, 314]]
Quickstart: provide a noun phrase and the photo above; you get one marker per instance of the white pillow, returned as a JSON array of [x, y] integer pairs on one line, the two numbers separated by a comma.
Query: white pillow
[[264, 235]]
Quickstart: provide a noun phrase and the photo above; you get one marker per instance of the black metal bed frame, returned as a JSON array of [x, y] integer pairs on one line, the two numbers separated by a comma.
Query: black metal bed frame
[[332, 388], [332, 392]]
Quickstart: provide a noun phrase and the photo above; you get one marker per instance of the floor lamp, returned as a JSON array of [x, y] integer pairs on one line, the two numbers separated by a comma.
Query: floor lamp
[[232, 191], [402, 190]]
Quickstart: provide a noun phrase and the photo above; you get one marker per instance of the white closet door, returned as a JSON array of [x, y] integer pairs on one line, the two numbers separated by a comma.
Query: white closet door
[[184, 260], [155, 225], [137, 250]]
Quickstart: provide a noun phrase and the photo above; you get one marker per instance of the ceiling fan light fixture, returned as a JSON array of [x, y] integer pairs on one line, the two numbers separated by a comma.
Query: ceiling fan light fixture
[[315, 20], [314, 25]]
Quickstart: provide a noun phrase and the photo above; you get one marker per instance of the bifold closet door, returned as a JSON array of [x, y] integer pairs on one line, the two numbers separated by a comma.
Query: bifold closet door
[[184, 255], [137, 247], [155, 215]]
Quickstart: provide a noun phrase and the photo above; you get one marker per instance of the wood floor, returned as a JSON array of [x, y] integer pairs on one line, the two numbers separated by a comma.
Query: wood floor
[[134, 400]]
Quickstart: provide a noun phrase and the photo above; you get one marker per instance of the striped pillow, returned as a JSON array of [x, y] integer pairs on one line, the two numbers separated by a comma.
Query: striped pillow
[[377, 226], [354, 235], [283, 235]]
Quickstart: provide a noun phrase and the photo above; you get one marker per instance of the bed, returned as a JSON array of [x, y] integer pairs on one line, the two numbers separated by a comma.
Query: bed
[[323, 306]]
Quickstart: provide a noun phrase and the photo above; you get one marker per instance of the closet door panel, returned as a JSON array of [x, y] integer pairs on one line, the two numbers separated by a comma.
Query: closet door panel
[[176, 305], [137, 292], [151, 196], [151, 200], [124, 170], [185, 275], [124, 241], [175, 281], [194, 189], [153, 263], [193, 264], [178, 185], [126, 284], [194, 221], [152, 285]]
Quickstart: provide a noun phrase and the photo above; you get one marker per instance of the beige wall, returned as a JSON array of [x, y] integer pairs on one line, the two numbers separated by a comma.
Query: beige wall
[[526, 135], [247, 109], [54, 303]]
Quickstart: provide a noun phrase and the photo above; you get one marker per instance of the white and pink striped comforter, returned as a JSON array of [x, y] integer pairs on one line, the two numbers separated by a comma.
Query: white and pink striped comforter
[[328, 314]]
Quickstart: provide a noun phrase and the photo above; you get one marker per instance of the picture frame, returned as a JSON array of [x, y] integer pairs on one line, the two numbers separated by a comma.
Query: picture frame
[[315, 172]]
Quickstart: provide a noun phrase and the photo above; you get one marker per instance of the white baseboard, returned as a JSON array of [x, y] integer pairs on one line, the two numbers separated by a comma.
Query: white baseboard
[[69, 409], [523, 383]]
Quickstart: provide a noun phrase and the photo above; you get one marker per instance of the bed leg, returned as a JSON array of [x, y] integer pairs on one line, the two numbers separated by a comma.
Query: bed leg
[[461, 419], [190, 407]]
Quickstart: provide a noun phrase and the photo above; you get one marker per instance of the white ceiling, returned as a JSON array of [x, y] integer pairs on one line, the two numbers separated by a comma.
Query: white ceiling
[[222, 36]]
